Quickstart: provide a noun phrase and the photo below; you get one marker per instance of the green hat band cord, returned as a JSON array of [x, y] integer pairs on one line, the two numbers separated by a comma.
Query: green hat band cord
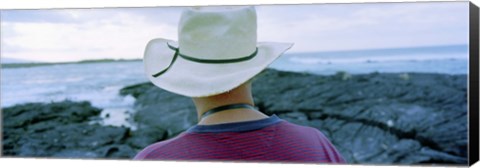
[[206, 61]]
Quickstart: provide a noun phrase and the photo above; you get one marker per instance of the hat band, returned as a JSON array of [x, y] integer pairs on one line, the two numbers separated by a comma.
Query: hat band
[[206, 61]]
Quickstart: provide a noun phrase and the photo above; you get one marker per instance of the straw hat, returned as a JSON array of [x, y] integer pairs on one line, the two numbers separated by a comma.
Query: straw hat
[[217, 50]]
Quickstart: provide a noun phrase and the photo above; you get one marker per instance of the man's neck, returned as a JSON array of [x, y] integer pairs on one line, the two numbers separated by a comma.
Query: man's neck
[[241, 94]]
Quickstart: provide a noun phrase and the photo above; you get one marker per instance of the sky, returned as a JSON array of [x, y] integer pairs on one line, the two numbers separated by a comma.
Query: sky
[[59, 35]]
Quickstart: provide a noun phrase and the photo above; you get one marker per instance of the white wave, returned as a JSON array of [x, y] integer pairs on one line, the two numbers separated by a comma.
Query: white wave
[[372, 59]]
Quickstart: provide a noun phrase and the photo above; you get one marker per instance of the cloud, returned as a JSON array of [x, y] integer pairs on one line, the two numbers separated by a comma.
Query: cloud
[[359, 26], [78, 34], [34, 16], [95, 34]]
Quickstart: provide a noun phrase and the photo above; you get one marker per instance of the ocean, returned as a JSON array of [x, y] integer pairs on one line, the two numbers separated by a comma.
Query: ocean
[[451, 59], [100, 83]]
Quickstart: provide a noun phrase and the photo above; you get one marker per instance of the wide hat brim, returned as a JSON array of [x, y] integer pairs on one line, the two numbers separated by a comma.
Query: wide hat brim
[[194, 79]]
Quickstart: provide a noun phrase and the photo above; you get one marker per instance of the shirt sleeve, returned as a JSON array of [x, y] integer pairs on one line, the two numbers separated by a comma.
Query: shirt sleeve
[[142, 154], [330, 151], [154, 149]]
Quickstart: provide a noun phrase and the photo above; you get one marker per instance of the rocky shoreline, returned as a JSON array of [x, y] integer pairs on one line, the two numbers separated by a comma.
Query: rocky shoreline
[[376, 118]]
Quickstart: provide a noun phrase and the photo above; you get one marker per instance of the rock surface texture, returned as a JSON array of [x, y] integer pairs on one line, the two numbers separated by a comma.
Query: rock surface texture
[[377, 118]]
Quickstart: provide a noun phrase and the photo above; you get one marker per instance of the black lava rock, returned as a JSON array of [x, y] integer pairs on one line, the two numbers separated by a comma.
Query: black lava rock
[[378, 118]]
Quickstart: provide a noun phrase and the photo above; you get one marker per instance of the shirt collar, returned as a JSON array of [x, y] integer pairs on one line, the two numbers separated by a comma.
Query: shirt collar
[[235, 126]]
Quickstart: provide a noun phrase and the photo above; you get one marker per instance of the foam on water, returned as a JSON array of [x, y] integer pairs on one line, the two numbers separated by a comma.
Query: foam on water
[[371, 59], [98, 83], [440, 59]]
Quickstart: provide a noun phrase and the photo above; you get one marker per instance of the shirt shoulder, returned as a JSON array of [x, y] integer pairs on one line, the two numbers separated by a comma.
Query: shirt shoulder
[[314, 137], [281, 141], [153, 149]]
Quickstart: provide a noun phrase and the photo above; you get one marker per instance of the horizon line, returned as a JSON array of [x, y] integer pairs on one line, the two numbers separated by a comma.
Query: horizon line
[[290, 53]]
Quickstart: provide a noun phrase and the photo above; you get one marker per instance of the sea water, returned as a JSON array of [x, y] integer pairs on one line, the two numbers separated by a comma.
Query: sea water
[[99, 83], [452, 59]]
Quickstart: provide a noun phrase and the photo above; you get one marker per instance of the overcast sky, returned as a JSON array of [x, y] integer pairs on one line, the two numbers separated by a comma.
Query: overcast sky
[[79, 34]]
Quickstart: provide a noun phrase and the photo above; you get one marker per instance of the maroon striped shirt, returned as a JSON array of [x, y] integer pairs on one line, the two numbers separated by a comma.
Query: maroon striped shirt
[[271, 139]]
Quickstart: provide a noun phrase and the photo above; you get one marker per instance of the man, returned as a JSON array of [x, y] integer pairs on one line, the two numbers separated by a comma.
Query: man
[[216, 56]]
